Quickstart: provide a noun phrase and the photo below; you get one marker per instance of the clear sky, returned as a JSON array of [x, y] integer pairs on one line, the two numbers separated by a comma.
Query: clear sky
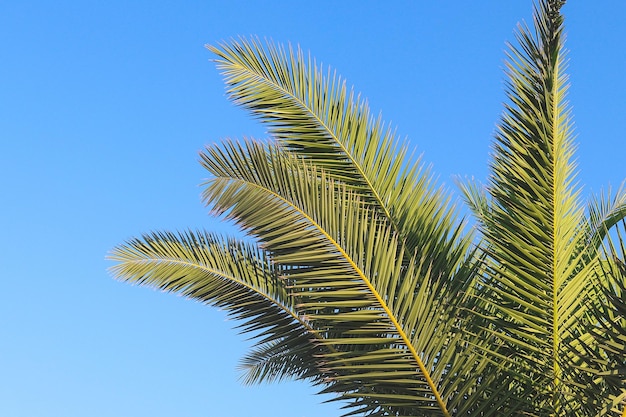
[[103, 108]]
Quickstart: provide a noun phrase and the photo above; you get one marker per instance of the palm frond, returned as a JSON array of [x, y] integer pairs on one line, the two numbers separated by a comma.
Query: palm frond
[[314, 115], [275, 361], [351, 275], [605, 354], [537, 275], [227, 274], [604, 212], [476, 197]]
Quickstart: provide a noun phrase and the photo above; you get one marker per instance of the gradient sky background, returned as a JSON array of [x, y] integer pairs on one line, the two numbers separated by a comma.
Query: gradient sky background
[[103, 108]]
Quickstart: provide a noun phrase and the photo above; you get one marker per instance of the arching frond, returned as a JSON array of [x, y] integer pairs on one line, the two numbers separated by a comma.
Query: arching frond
[[605, 211], [389, 318], [227, 274], [313, 114], [606, 354]]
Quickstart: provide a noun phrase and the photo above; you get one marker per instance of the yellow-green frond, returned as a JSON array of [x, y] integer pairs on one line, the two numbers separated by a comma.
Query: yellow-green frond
[[352, 276], [313, 114], [539, 265], [228, 274]]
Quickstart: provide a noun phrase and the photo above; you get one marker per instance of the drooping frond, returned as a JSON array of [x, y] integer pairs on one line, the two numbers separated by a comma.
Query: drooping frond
[[228, 274], [313, 114], [176, 262]]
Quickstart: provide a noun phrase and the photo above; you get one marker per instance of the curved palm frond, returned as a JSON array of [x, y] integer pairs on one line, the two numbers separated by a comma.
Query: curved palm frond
[[605, 212], [227, 274], [275, 361], [315, 116], [391, 321], [605, 354]]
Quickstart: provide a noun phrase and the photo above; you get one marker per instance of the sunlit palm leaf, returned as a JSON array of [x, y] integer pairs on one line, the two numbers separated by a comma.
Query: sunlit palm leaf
[[314, 115], [350, 274], [541, 261]]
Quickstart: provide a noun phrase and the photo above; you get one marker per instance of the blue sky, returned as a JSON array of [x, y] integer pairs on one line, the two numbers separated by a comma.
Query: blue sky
[[103, 109]]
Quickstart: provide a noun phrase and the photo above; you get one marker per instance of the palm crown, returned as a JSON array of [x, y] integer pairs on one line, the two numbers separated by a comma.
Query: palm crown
[[359, 276]]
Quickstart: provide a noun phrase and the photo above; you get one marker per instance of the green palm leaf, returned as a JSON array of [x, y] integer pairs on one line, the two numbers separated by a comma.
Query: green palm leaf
[[227, 274], [605, 354], [350, 275], [605, 212], [541, 247], [314, 115]]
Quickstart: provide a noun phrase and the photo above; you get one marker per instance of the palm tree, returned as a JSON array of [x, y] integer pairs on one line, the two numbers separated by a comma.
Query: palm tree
[[359, 275]]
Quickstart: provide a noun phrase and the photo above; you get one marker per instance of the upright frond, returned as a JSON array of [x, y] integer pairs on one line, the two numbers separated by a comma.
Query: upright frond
[[537, 275]]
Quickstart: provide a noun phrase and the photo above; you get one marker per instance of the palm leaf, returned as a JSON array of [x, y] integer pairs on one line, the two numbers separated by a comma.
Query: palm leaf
[[606, 354], [542, 250], [276, 361], [605, 212], [227, 274], [350, 274], [314, 115]]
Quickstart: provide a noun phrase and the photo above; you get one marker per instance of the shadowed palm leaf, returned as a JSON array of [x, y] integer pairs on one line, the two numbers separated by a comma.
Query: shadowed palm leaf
[[228, 274]]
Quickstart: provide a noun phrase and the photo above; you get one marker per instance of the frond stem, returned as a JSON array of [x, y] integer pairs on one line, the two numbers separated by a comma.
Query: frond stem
[[555, 327]]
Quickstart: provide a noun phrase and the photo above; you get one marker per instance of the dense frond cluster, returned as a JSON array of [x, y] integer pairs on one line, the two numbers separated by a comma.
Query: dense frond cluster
[[359, 276]]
